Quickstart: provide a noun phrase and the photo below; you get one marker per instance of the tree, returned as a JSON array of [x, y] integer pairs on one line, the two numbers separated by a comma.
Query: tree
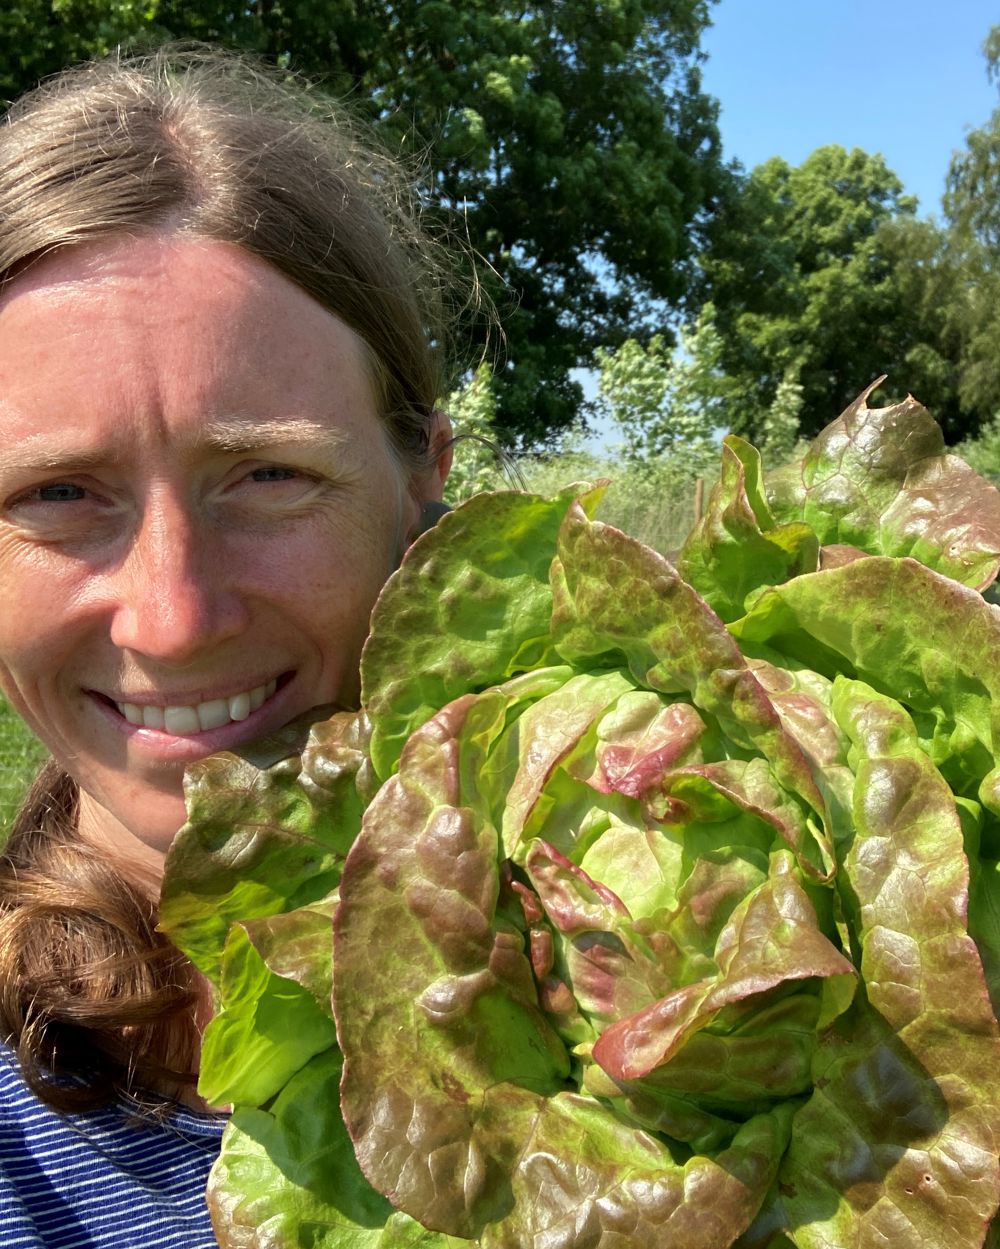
[[779, 439], [477, 466], [570, 139], [806, 286], [927, 275], [670, 404], [972, 208], [40, 37]]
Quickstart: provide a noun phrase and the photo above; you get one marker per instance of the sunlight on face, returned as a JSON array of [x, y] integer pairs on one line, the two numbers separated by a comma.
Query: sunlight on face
[[198, 507]]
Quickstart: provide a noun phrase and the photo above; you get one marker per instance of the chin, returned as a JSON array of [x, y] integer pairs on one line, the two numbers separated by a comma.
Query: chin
[[157, 821], [138, 827]]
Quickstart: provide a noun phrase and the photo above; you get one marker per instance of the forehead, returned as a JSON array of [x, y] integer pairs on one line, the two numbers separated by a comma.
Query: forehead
[[135, 278], [167, 328]]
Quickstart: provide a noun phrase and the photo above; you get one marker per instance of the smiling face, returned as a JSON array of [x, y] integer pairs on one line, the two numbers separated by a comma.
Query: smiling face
[[198, 507]]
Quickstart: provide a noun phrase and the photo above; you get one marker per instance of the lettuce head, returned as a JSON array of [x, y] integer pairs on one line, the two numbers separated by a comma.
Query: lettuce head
[[644, 902]]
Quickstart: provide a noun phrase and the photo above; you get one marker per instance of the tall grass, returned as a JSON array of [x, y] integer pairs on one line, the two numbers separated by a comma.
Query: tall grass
[[653, 502], [20, 756]]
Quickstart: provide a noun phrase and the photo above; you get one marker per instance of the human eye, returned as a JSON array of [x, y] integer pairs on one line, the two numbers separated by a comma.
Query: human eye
[[61, 509], [58, 492], [275, 473], [284, 485], [266, 483], [49, 497]]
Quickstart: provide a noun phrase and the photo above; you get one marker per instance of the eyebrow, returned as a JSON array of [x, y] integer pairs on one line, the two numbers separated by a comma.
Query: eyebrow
[[230, 437], [236, 436]]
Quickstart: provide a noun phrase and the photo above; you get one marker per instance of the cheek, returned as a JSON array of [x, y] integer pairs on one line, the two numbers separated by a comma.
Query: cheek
[[334, 575], [39, 626], [339, 613]]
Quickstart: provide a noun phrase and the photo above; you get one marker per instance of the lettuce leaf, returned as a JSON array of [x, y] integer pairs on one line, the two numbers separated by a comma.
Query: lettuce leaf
[[652, 905]]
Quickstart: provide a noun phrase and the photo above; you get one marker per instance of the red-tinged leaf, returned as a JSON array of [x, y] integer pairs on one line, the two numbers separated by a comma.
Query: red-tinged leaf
[[909, 1081], [878, 479], [640, 739], [770, 939], [616, 601], [452, 1078]]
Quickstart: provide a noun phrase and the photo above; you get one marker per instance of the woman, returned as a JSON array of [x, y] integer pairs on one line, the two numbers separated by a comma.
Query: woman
[[219, 333]]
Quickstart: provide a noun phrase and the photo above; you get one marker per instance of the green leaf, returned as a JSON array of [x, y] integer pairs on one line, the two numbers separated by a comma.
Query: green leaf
[[906, 631], [260, 841], [877, 479], [287, 1177], [268, 1026], [469, 607], [737, 546], [984, 921]]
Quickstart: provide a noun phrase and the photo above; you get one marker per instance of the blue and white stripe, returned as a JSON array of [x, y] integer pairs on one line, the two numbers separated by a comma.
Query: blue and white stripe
[[101, 1180]]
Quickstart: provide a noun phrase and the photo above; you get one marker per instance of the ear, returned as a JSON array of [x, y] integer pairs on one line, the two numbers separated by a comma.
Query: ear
[[427, 486], [440, 453]]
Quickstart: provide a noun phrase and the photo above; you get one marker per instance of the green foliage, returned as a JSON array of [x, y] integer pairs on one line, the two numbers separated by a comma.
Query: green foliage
[[476, 466], [633, 381], [654, 499], [40, 37], [668, 404], [571, 142], [650, 495], [823, 274], [983, 451], [973, 253], [780, 441], [804, 287], [970, 202], [927, 272]]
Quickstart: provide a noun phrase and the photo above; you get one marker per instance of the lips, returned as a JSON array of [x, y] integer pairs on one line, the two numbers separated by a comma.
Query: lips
[[185, 721]]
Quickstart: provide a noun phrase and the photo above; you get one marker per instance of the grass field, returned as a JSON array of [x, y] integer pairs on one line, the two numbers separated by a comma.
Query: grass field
[[20, 755]]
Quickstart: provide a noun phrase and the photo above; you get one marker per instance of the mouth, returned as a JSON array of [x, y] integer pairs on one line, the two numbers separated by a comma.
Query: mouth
[[191, 719]]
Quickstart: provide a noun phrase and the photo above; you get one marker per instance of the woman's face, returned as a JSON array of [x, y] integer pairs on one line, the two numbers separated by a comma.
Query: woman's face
[[198, 508]]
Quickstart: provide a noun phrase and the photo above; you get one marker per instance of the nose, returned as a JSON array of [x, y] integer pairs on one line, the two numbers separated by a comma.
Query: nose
[[175, 595]]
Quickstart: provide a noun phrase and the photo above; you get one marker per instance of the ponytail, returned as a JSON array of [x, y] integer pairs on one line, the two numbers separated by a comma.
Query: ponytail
[[93, 1000]]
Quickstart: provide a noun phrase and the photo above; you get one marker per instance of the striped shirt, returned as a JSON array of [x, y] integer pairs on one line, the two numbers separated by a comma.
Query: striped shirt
[[100, 1180]]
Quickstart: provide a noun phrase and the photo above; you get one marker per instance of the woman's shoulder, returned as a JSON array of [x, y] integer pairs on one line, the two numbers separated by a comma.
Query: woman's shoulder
[[111, 1177]]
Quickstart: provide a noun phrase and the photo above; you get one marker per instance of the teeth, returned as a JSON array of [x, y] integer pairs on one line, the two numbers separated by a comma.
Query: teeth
[[131, 712], [181, 720], [186, 721], [213, 715], [239, 707]]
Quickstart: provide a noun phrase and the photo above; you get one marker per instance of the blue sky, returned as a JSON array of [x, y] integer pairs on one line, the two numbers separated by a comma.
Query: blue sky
[[902, 77], [906, 78]]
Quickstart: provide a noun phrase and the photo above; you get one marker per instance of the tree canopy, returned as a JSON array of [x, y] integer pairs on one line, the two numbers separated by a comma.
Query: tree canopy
[[571, 141], [822, 274], [571, 144], [804, 289], [972, 254]]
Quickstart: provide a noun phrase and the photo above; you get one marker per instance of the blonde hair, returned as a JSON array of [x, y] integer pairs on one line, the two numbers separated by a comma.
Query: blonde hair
[[199, 144]]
